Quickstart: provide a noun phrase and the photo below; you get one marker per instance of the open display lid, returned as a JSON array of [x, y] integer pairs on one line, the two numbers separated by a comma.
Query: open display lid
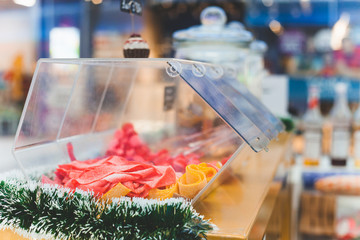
[[182, 106], [232, 101]]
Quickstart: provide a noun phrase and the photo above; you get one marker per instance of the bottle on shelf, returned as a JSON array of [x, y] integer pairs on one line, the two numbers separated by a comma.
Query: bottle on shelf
[[326, 136], [312, 128], [356, 137], [341, 124]]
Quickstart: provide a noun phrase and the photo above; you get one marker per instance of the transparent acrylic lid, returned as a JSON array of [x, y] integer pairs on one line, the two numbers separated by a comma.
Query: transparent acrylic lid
[[183, 106], [232, 101]]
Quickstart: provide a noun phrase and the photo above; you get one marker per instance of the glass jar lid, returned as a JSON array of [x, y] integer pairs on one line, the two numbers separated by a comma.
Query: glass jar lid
[[214, 30]]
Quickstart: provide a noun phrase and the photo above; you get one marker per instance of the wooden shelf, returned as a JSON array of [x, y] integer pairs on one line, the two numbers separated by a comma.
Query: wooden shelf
[[242, 205]]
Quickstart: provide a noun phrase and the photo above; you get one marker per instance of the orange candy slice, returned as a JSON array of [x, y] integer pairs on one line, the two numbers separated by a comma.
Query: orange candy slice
[[163, 193], [118, 191], [195, 178], [207, 170]]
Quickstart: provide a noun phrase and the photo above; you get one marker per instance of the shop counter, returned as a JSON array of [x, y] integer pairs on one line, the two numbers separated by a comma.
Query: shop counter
[[241, 207]]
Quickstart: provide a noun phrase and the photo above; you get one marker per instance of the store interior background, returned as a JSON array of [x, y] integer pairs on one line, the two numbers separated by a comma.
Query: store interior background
[[304, 38]]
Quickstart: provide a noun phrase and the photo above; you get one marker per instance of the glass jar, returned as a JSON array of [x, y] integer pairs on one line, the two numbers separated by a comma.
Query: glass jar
[[255, 69], [215, 41]]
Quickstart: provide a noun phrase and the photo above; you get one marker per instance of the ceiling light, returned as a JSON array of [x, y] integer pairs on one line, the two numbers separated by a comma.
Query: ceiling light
[[276, 27], [268, 3], [96, 2], [339, 31], [26, 3]]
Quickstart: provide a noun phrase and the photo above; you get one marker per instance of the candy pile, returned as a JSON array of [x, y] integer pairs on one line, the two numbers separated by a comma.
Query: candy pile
[[131, 169], [127, 144], [102, 175]]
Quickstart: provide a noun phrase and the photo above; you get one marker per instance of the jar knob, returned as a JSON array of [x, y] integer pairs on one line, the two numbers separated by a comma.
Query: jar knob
[[213, 16]]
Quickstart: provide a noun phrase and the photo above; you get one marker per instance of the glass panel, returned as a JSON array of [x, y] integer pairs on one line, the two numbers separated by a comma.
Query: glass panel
[[46, 104], [116, 89], [258, 113], [209, 82], [42, 116], [84, 101]]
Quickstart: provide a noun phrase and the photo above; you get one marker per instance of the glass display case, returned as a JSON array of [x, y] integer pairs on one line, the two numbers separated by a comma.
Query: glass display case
[[182, 106]]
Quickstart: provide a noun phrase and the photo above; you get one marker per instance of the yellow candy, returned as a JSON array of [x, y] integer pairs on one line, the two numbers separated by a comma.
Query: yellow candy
[[209, 171], [118, 191], [195, 178], [163, 193], [218, 165]]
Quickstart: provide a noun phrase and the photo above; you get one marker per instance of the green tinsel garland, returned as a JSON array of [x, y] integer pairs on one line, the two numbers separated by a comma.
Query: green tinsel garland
[[58, 213]]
